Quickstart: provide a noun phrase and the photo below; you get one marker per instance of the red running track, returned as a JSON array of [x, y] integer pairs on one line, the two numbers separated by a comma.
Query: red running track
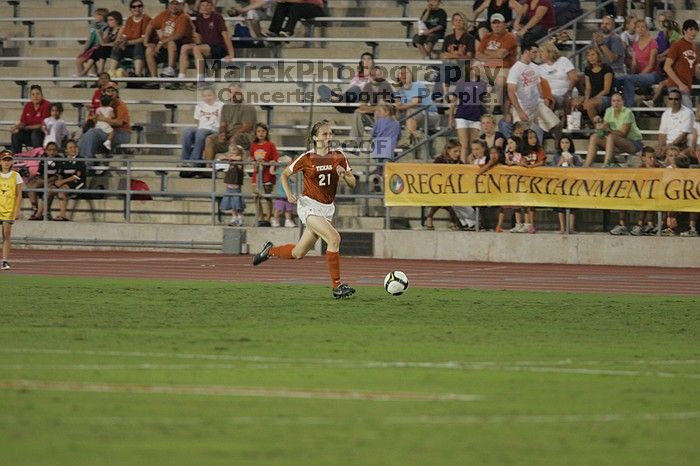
[[358, 271]]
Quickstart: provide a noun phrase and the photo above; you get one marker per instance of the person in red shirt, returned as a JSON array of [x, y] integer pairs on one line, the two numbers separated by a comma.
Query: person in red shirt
[[28, 131], [537, 18], [322, 168], [262, 152], [682, 61]]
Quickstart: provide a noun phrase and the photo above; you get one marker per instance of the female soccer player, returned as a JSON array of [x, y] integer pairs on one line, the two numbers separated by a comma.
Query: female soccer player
[[10, 200], [322, 168]]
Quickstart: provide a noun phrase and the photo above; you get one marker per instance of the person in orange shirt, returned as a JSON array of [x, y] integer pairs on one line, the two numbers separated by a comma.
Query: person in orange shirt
[[130, 39], [498, 50], [682, 61], [164, 36], [322, 168], [91, 141]]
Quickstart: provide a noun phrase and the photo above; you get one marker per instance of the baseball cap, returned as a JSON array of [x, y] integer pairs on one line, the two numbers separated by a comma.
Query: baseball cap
[[111, 85], [498, 17], [6, 155]]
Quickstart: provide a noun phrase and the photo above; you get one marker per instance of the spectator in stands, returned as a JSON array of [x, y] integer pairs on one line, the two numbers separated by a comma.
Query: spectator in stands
[[105, 112], [559, 73], [681, 62], [450, 155], [235, 126], [456, 48], [645, 68], [50, 167], [254, 12], [376, 91], [509, 9], [431, 28], [282, 205], [91, 43], [621, 11], [670, 33], [676, 126], [629, 36], [617, 132], [212, 39], [233, 201], [499, 50], [385, 135], [91, 141], [599, 79], [533, 156], [72, 174], [566, 157], [165, 35], [263, 153], [695, 143], [107, 42], [103, 81], [54, 127], [207, 112], [610, 46], [130, 40], [536, 19], [566, 10], [466, 108], [293, 11], [525, 92], [28, 131], [460, 44], [411, 96], [352, 93], [489, 135]]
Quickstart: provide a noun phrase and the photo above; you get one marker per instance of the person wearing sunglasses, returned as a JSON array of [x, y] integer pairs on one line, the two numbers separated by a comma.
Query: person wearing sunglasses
[[130, 40], [676, 124]]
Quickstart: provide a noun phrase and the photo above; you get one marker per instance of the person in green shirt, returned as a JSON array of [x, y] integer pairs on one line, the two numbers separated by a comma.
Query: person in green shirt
[[617, 132]]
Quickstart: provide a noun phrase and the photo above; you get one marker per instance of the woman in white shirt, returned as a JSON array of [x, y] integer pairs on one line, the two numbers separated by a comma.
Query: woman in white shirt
[[559, 73], [207, 112]]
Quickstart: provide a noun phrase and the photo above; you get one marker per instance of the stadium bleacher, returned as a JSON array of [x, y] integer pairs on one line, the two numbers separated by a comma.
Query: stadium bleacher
[[40, 40]]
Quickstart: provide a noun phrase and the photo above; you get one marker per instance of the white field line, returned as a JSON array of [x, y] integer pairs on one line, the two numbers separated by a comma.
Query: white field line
[[222, 390], [346, 363], [393, 420], [191, 367]]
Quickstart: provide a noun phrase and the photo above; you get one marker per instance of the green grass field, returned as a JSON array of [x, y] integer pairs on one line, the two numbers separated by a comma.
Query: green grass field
[[141, 372]]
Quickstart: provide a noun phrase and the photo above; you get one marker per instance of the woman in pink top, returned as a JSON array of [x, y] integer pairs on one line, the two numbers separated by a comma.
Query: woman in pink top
[[645, 66]]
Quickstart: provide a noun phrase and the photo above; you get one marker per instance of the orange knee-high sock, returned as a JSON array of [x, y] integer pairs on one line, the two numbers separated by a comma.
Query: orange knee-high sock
[[333, 260], [283, 252]]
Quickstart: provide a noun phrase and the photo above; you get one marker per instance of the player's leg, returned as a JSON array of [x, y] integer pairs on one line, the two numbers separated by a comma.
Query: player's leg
[[6, 235], [288, 251], [323, 228]]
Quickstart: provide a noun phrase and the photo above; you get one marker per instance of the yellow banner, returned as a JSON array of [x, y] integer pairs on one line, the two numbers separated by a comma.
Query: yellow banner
[[655, 189]]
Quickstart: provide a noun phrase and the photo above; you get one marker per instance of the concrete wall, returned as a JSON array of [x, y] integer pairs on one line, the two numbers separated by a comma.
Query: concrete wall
[[592, 249]]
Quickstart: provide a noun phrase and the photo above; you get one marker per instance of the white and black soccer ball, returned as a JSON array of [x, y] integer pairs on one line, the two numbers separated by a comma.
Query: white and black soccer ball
[[395, 283]]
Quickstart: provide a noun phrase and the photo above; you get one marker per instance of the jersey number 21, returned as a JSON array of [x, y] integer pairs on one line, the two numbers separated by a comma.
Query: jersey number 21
[[324, 179]]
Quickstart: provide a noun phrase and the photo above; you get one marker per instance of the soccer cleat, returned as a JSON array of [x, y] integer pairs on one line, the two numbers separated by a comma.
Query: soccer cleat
[[619, 230], [343, 291], [6, 266], [263, 255]]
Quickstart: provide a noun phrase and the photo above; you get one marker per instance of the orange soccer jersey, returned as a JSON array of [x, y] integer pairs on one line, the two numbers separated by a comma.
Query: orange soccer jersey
[[320, 174]]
